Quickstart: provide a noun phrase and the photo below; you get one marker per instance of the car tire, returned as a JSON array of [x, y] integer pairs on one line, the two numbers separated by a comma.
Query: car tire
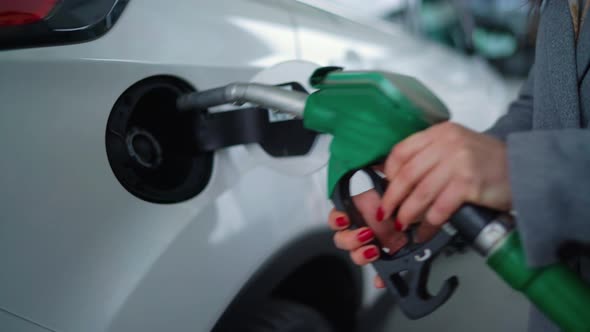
[[285, 316]]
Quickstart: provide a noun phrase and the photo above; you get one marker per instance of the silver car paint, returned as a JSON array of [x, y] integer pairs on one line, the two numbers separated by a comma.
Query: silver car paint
[[79, 253]]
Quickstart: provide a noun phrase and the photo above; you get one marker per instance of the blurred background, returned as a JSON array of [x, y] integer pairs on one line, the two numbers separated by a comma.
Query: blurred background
[[500, 31]]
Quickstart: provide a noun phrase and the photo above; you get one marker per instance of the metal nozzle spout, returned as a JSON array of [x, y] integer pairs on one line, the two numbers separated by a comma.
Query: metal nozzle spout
[[269, 96]]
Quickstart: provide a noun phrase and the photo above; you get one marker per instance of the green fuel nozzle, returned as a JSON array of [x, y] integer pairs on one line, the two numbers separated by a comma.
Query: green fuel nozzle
[[369, 112]]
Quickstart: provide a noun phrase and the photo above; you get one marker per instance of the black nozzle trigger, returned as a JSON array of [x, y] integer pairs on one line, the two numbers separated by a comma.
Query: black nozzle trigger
[[406, 272]]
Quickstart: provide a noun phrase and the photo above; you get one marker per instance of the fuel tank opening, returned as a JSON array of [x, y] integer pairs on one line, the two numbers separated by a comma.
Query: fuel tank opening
[[148, 143]]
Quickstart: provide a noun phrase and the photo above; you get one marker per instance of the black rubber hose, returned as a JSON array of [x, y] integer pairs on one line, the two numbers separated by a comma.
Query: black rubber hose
[[470, 220]]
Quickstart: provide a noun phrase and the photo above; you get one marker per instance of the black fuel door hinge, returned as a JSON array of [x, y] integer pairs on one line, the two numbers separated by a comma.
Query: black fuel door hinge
[[278, 138]]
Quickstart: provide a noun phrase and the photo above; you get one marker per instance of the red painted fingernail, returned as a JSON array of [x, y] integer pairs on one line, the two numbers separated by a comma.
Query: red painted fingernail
[[370, 253], [380, 214], [341, 222], [398, 225], [365, 235]]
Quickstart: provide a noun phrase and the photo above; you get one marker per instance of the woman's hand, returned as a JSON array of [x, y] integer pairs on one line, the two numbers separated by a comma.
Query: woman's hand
[[433, 172], [356, 241]]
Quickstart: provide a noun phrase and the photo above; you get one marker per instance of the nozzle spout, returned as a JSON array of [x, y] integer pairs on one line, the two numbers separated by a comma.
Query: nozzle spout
[[269, 96]]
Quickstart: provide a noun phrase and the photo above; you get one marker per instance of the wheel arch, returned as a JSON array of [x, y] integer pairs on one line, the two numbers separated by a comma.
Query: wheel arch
[[308, 270]]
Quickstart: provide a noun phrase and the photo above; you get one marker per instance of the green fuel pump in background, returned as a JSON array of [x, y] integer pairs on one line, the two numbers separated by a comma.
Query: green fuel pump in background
[[367, 113]]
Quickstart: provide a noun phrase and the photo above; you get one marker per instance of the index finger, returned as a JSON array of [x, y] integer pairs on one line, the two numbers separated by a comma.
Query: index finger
[[409, 147], [405, 151]]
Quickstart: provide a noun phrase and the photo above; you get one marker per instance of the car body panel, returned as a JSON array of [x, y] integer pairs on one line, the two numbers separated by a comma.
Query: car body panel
[[91, 253], [74, 258], [80, 253]]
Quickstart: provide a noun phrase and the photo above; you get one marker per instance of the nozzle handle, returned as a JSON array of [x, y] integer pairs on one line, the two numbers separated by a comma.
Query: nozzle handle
[[406, 272], [202, 99]]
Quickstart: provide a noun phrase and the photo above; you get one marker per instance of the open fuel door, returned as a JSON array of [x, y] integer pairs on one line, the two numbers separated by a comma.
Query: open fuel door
[[272, 139]]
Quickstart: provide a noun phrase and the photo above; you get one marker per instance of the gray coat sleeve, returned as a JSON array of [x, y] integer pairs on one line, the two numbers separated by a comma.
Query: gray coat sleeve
[[549, 178], [519, 116], [550, 182]]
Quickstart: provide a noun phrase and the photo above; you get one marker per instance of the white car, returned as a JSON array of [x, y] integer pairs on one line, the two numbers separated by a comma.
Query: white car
[[109, 221]]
